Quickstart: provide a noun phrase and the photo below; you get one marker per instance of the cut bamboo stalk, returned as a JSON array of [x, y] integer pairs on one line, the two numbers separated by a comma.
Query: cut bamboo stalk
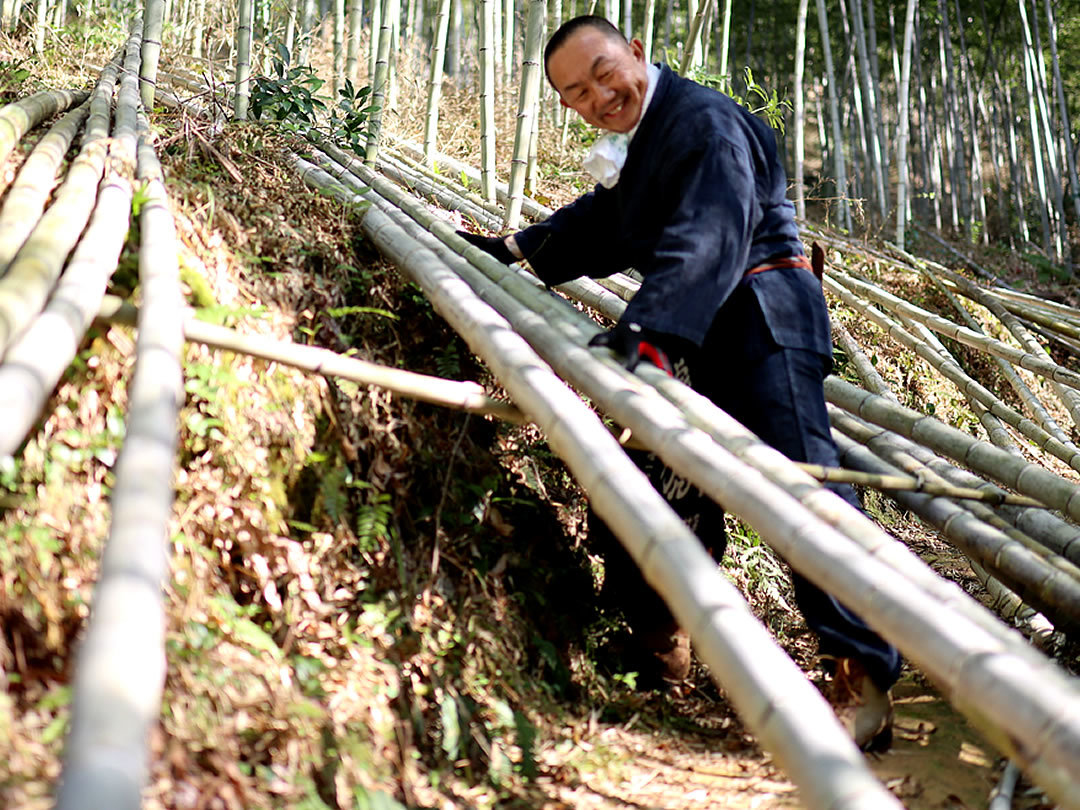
[[863, 367], [835, 569], [702, 413], [1040, 365], [440, 194], [1069, 397], [444, 181], [1027, 396], [529, 207], [1036, 580], [121, 670], [980, 456], [968, 386], [463, 396], [25, 199], [742, 656], [19, 117], [35, 362]]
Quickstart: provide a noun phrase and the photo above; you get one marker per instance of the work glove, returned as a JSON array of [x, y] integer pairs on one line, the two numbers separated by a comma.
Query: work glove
[[492, 245], [633, 343]]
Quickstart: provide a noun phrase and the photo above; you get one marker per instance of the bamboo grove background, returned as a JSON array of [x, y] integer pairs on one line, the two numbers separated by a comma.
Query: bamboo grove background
[[949, 115]]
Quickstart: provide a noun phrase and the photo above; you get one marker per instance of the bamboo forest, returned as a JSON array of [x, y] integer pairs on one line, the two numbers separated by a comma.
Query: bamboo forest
[[306, 475]]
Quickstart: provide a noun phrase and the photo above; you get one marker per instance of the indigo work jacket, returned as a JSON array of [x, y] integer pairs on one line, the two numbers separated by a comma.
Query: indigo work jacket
[[699, 201]]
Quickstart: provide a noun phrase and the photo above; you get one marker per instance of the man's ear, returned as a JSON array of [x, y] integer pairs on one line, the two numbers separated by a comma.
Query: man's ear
[[637, 47]]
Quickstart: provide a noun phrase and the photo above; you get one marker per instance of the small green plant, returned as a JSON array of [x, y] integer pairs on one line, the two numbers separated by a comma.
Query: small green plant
[[12, 77], [291, 97], [756, 99]]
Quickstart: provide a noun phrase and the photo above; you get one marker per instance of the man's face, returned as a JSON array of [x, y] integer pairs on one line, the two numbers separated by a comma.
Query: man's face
[[601, 78]]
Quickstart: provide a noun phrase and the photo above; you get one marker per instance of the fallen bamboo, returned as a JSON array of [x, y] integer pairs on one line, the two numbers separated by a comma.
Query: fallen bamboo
[[26, 197], [961, 334], [35, 361], [808, 743], [906, 620], [1033, 404], [1068, 396], [1032, 577], [121, 670], [447, 183], [968, 386], [19, 117], [423, 187]]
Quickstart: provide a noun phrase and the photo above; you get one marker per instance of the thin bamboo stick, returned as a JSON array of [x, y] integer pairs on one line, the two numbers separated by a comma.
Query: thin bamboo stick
[[19, 117], [739, 652], [463, 396], [121, 670], [833, 569]]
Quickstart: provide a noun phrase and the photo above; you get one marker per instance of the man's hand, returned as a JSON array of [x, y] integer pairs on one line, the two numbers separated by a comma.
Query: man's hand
[[633, 343], [493, 245]]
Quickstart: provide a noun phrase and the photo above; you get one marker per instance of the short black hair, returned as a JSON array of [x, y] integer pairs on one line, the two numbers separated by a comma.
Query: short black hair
[[571, 27]]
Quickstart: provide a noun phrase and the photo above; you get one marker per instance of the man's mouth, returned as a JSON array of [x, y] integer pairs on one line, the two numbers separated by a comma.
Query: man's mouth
[[615, 110]]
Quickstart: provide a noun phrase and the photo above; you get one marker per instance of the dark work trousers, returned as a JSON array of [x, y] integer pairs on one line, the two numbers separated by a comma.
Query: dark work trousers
[[777, 393]]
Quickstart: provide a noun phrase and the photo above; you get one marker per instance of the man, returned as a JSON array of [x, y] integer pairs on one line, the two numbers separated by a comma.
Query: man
[[692, 195]]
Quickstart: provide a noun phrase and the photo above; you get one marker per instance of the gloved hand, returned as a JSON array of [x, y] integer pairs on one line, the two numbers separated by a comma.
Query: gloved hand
[[493, 245], [633, 343]]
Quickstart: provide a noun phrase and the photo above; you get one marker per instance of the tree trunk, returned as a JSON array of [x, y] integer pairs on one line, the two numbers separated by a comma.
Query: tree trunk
[[1063, 109], [958, 175], [307, 26], [352, 52], [508, 47], [870, 116], [243, 58], [529, 93], [339, 47], [198, 29], [390, 12]]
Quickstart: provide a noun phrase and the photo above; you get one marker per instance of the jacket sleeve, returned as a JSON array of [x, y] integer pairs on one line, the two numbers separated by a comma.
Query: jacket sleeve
[[577, 240], [711, 209]]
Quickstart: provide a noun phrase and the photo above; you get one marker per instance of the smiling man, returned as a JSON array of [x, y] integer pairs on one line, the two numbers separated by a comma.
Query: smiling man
[[692, 194]]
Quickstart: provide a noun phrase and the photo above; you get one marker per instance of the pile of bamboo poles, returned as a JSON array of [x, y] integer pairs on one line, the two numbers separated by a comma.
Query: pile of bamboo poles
[[986, 670]]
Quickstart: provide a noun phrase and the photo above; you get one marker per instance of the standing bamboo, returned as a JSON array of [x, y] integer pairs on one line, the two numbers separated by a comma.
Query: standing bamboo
[[352, 54], [243, 59], [373, 42], [487, 99], [339, 47], [903, 117], [151, 50], [867, 94], [508, 45], [692, 52], [40, 23], [837, 145], [650, 28], [438, 55], [306, 32], [527, 103], [390, 11], [1063, 109], [800, 108]]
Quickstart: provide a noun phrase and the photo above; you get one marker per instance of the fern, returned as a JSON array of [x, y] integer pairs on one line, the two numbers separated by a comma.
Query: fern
[[372, 524]]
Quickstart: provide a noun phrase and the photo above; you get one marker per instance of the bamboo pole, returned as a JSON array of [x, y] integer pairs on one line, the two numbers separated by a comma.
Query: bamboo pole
[[869, 375], [1036, 580], [487, 99], [1040, 365], [35, 362], [435, 80], [26, 197], [529, 95], [740, 653], [19, 117], [244, 22], [968, 386], [379, 84], [153, 18], [422, 186], [830, 567], [121, 671]]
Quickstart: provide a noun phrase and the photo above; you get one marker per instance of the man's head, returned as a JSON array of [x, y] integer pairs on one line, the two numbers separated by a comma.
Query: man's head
[[597, 73]]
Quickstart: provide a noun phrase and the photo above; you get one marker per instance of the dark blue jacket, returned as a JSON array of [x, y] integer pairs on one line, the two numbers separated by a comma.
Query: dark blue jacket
[[700, 200]]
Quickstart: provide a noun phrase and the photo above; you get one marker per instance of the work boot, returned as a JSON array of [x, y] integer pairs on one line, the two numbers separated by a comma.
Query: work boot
[[862, 708]]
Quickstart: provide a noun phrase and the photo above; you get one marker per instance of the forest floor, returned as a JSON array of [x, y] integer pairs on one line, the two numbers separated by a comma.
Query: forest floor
[[376, 602]]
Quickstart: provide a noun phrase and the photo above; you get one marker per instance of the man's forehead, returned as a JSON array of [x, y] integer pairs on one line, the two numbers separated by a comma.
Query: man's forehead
[[584, 51]]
